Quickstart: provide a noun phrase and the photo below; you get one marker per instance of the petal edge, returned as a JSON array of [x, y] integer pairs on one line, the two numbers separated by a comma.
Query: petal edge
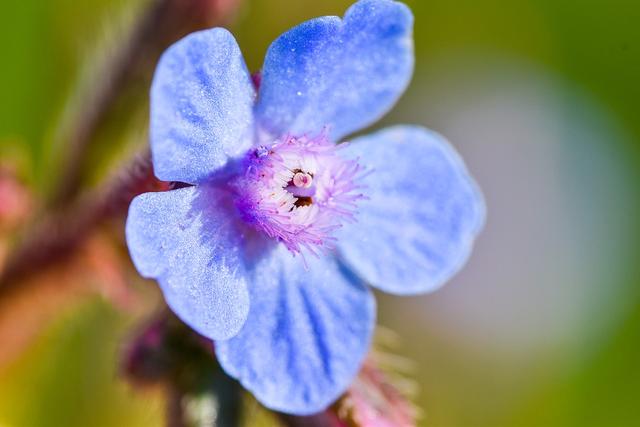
[[343, 74], [424, 206], [194, 254], [306, 336], [201, 107]]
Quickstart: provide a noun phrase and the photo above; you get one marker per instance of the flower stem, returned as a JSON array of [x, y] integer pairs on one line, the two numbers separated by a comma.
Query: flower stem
[[59, 232], [70, 218], [323, 419], [175, 416], [164, 22]]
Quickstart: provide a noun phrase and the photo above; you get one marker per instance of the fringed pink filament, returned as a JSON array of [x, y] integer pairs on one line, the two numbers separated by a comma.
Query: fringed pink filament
[[298, 190]]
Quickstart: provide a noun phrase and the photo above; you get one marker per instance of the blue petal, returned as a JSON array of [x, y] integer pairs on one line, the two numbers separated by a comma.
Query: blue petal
[[424, 211], [201, 107], [344, 74], [307, 333], [185, 239]]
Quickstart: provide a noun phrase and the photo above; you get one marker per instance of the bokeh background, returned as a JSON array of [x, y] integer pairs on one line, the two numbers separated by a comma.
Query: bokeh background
[[541, 97]]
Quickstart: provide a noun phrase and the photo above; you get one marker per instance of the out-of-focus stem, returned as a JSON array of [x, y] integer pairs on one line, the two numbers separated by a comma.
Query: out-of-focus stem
[[164, 22], [70, 219], [323, 419], [60, 232], [167, 352], [175, 416]]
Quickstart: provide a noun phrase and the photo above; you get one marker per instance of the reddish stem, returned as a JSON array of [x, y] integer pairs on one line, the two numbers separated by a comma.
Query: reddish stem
[[59, 233], [164, 22], [323, 419]]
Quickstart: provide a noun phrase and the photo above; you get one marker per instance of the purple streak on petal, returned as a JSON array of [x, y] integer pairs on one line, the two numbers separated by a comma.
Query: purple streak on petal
[[307, 333]]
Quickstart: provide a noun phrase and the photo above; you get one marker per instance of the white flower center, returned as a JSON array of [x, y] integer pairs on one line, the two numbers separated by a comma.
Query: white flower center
[[298, 190]]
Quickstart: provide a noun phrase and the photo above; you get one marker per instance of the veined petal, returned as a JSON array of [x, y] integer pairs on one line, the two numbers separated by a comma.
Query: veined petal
[[201, 107], [185, 239], [307, 333], [344, 74], [424, 210]]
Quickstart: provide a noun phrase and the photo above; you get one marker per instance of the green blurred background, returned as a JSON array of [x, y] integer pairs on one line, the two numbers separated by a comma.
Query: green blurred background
[[541, 97]]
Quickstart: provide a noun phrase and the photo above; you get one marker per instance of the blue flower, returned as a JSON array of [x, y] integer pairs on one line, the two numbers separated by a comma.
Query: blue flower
[[271, 249]]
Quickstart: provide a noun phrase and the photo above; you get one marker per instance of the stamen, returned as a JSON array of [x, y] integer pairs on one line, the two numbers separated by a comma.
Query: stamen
[[303, 201], [298, 190]]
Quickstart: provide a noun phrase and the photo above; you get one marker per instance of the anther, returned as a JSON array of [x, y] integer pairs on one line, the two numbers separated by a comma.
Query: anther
[[303, 201]]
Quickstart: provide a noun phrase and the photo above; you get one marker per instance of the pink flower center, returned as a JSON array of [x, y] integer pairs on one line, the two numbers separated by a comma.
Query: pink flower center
[[298, 190], [302, 179]]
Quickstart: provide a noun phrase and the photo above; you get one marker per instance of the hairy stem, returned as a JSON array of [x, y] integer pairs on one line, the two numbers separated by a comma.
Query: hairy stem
[[164, 22], [70, 218], [323, 419], [61, 231]]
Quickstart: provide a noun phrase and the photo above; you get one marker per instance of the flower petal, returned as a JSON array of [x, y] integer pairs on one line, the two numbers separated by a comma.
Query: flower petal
[[344, 74], [201, 107], [184, 239], [307, 333], [424, 210]]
